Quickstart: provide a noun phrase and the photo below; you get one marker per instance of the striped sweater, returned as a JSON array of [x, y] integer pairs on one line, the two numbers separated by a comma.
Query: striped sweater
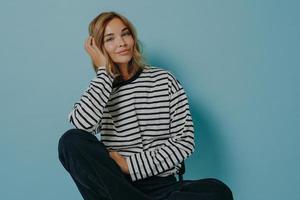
[[146, 119]]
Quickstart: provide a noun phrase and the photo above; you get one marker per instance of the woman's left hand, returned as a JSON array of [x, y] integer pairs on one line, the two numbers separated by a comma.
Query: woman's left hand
[[120, 160]]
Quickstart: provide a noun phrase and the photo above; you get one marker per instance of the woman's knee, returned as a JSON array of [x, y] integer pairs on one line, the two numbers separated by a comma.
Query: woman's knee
[[76, 143], [75, 138], [79, 138], [222, 186], [69, 138]]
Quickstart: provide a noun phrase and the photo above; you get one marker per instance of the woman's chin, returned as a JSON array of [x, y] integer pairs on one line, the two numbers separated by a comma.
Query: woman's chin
[[122, 61]]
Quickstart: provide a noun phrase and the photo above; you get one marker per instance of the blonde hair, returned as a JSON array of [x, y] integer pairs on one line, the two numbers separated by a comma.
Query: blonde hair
[[96, 29]]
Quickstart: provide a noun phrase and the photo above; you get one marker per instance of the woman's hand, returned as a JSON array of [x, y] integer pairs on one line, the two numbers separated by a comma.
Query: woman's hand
[[120, 160], [96, 55]]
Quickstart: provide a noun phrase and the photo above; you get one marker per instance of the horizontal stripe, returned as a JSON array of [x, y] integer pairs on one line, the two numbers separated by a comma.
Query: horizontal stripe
[[147, 120]]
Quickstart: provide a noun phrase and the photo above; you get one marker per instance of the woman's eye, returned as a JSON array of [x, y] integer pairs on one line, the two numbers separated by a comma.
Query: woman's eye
[[127, 33], [109, 39]]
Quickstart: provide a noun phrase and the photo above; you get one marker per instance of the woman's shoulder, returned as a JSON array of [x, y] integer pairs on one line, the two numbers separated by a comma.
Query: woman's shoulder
[[161, 72], [157, 69]]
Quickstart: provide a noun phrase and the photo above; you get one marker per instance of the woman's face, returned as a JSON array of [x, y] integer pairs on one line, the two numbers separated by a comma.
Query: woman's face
[[118, 41]]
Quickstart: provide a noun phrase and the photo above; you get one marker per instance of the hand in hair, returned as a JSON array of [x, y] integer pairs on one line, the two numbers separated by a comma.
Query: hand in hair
[[94, 52]]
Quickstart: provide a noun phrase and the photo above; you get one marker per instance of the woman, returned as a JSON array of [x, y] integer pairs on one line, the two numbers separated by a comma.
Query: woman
[[143, 116]]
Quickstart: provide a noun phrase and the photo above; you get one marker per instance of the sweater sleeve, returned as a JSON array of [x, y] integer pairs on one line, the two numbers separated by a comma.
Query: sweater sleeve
[[177, 148], [88, 111]]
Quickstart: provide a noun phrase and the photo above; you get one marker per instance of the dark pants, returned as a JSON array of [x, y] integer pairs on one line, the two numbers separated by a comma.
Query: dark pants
[[98, 177]]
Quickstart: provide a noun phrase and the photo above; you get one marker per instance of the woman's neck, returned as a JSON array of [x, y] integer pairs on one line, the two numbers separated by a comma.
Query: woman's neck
[[124, 71]]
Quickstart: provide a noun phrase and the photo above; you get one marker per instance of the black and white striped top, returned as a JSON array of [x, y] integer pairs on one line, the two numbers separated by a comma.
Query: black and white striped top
[[146, 119]]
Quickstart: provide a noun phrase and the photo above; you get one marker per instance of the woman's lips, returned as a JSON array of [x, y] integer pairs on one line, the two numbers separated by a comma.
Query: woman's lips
[[123, 52]]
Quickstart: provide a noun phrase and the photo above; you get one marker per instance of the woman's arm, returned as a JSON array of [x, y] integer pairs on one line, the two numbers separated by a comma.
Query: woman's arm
[[88, 111], [176, 149]]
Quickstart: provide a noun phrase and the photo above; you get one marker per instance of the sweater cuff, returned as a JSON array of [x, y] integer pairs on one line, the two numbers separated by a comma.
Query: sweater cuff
[[130, 168], [101, 69]]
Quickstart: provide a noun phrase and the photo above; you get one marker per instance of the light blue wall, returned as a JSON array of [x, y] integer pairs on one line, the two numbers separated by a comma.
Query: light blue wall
[[237, 60]]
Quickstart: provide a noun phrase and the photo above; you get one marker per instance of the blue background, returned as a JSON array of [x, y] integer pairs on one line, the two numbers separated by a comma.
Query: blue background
[[237, 60]]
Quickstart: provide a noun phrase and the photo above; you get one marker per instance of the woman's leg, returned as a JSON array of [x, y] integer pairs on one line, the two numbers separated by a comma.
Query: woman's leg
[[159, 188], [96, 175], [203, 189]]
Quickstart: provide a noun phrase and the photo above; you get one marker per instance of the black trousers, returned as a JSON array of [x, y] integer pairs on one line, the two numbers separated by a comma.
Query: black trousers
[[98, 177]]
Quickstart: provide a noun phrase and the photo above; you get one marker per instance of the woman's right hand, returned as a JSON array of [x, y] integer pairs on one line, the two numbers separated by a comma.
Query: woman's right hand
[[96, 55]]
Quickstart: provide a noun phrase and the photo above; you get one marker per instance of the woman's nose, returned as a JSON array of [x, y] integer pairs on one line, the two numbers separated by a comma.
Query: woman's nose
[[121, 42]]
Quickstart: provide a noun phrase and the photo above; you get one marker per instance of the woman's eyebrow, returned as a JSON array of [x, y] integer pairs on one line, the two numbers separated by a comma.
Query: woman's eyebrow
[[124, 29], [108, 34]]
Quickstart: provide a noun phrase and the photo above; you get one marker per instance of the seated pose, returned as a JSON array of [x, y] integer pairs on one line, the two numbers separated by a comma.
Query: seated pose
[[145, 125]]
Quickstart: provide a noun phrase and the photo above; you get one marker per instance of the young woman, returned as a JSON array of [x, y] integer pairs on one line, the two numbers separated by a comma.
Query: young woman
[[143, 116]]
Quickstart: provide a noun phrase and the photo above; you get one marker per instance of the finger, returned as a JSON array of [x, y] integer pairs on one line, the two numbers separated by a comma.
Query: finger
[[95, 47], [94, 44], [88, 47], [90, 51], [88, 42]]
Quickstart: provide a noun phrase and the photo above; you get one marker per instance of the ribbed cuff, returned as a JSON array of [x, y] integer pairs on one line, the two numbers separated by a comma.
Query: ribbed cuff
[[130, 168], [101, 68]]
